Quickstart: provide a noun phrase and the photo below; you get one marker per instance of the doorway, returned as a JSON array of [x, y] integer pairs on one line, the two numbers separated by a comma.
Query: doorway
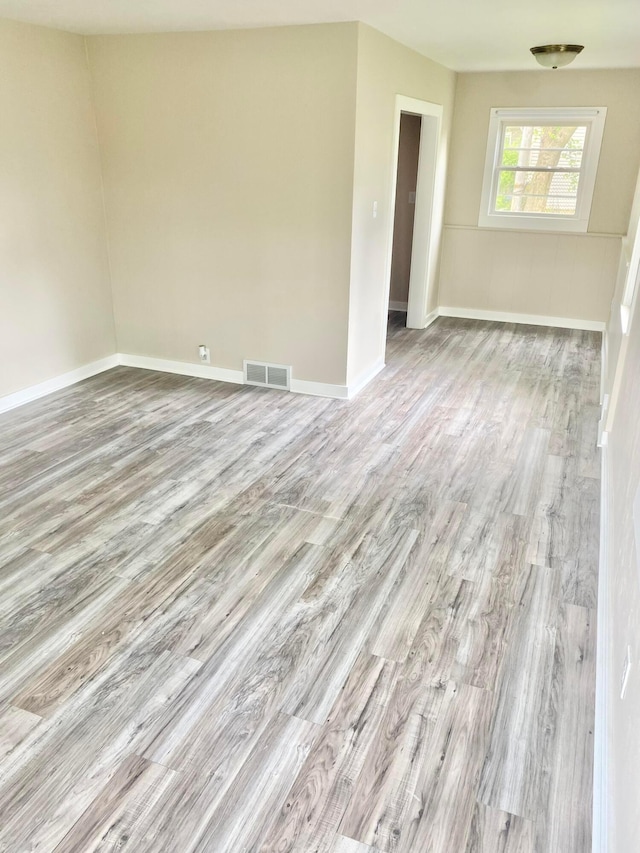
[[425, 210], [404, 214]]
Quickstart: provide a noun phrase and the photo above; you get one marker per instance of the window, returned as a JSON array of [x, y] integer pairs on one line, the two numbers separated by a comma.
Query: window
[[541, 167]]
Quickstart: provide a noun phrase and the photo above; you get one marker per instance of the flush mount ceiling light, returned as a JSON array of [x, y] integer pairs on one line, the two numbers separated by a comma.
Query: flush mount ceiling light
[[556, 55]]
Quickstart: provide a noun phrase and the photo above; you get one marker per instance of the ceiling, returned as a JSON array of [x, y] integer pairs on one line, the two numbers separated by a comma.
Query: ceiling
[[466, 35]]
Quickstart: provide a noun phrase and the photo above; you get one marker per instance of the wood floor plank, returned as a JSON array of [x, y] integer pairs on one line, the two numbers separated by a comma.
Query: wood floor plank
[[486, 633], [15, 725], [260, 788], [383, 797], [119, 810], [241, 684], [396, 633], [514, 776], [71, 669], [317, 800], [445, 798], [324, 680], [520, 497], [241, 573], [565, 821], [494, 831], [53, 629], [63, 764]]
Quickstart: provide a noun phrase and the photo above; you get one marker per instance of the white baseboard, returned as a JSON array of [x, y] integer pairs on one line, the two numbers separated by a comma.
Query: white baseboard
[[397, 306], [34, 392], [527, 319], [182, 368], [298, 386], [223, 374], [364, 379], [319, 389], [601, 786]]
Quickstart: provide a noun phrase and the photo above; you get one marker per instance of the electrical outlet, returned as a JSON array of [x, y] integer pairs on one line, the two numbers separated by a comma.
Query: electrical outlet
[[626, 668], [204, 354]]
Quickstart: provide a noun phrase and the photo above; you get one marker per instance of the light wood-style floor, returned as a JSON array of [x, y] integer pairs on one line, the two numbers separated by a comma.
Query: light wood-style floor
[[239, 620]]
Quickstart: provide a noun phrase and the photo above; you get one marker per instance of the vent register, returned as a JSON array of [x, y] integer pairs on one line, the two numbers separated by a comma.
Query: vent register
[[267, 375]]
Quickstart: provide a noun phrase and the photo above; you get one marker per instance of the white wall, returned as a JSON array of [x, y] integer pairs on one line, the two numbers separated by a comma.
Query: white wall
[[55, 299], [549, 274]]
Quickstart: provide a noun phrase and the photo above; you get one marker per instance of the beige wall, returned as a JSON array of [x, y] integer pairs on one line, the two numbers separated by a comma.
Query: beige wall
[[55, 300], [228, 171], [467, 245], [529, 272], [616, 90], [385, 69], [407, 178]]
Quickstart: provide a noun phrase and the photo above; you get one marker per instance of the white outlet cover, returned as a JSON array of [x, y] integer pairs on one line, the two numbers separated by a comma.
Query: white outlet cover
[[626, 668]]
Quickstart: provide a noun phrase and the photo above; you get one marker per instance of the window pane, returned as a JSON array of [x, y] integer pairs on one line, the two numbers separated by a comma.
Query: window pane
[[537, 192], [544, 146]]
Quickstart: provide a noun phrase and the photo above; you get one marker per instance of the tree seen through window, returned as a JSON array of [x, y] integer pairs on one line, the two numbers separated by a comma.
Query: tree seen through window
[[539, 170]]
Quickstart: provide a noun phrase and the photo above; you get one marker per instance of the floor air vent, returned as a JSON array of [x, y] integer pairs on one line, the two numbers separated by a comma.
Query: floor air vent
[[267, 375]]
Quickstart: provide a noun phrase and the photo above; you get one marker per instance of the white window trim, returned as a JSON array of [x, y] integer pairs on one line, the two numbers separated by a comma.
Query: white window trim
[[630, 289], [593, 117]]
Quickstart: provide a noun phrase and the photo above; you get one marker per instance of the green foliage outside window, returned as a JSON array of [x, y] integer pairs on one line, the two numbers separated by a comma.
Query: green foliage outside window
[[544, 147]]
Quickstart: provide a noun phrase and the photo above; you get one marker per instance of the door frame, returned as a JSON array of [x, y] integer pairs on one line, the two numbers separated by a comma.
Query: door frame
[[429, 210]]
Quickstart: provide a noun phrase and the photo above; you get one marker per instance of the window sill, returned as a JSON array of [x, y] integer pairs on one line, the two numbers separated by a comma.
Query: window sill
[[533, 223]]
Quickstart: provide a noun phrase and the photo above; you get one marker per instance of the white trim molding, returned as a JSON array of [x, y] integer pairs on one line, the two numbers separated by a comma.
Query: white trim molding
[[397, 306], [224, 374], [57, 383], [527, 319], [601, 787], [431, 318], [429, 210], [319, 389], [364, 379], [592, 118], [298, 386], [182, 368]]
